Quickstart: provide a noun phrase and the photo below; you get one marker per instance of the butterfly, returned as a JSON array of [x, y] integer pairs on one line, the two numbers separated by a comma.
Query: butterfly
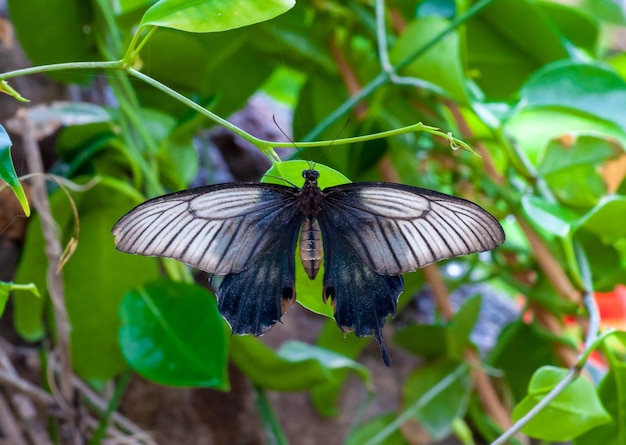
[[365, 234]]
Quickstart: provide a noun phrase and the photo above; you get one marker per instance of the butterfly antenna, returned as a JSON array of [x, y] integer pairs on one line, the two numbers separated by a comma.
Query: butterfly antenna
[[283, 132], [282, 179]]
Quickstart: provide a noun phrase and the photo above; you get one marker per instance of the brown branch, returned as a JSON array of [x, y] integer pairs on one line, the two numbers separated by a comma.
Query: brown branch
[[439, 290], [549, 264], [9, 424], [53, 251], [485, 390], [349, 77]]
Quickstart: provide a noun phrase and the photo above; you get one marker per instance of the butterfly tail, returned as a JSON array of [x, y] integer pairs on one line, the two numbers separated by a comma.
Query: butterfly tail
[[361, 297]]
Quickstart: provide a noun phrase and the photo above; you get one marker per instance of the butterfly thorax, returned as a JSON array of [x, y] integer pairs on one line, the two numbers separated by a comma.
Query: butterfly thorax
[[311, 248]]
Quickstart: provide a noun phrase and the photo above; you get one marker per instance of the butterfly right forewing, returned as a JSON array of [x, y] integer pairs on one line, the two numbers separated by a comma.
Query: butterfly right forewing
[[397, 228]]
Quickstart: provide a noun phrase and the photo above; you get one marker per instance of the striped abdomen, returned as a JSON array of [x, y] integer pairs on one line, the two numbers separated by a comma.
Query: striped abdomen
[[311, 250]]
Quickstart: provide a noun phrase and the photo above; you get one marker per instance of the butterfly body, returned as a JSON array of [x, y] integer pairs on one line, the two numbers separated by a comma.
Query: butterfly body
[[365, 234]]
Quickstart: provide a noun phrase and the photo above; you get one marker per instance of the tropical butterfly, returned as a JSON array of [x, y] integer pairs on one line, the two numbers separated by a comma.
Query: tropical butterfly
[[366, 235]]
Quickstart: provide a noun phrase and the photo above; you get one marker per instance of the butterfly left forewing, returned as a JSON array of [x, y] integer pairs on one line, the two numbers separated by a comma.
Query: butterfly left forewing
[[219, 229], [396, 228]]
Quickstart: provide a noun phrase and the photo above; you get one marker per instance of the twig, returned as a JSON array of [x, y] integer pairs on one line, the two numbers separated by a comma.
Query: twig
[[485, 390], [550, 266], [25, 387], [348, 76], [9, 425], [439, 290], [53, 252]]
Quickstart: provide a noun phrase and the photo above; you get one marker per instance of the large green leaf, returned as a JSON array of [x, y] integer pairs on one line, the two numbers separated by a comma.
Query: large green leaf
[[573, 412], [571, 168], [440, 65], [606, 219], [448, 340], [520, 350], [586, 87], [296, 367], [534, 128], [373, 426], [55, 31], [612, 392], [501, 51], [95, 278], [213, 15], [173, 334], [552, 217], [7, 170]]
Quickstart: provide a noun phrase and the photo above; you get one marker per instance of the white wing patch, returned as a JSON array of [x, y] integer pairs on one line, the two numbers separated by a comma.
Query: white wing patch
[[397, 229], [219, 229]]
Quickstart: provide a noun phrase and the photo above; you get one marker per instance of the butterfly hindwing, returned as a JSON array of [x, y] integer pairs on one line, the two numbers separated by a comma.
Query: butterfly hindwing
[[253, 300], [396, 228], [362, 298], [219, 229]]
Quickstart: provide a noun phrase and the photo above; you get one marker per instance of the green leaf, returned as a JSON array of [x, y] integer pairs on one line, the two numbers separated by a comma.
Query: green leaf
[[423, 340], [7, 170], [501, 51], [461, 325], [579, 27], [441, 64], [448, 340], [554, 218], [173, 334], [7, 288], [520, 350], [571, 168], [606, 219], [325, 396], [366, 431], [573, 412], [95, 278], [291, 369], [308, 292], [55, 31], [534, 128], [213, 15], [590, 88], [611, 11], [612, 391], [564, 155], [437, 415]]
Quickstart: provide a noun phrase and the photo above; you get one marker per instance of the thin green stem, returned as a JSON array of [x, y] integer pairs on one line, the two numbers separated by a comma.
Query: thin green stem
[[117, 64], [103, 424], [200, 109], [418, 404]]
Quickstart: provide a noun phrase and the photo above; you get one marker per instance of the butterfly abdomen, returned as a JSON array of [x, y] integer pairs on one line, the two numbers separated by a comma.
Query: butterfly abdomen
[[311, 249]]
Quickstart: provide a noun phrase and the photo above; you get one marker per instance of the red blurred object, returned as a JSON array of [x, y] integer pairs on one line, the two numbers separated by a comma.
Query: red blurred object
[[612, 307]]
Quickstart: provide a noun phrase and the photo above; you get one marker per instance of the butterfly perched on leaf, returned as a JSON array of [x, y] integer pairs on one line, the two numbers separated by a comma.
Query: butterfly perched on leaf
[[363, 235]]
